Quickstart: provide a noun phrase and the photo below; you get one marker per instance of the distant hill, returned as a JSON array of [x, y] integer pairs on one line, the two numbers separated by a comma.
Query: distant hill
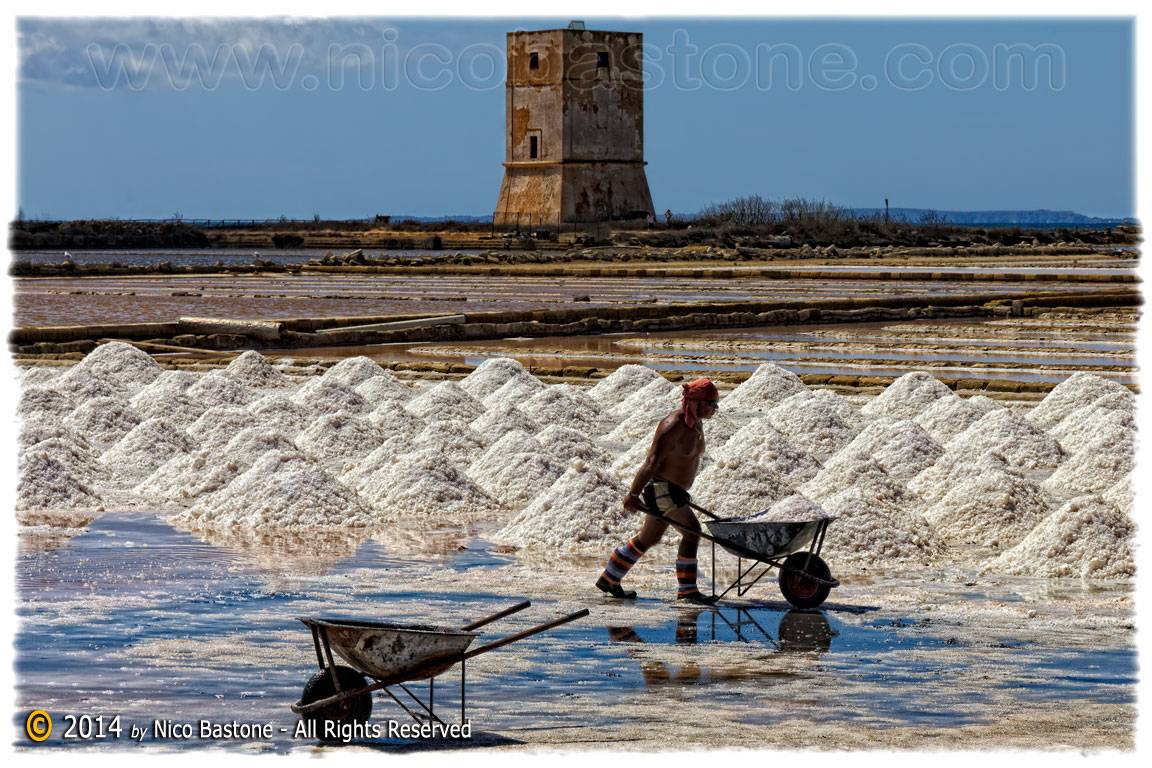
[[1040, 217]]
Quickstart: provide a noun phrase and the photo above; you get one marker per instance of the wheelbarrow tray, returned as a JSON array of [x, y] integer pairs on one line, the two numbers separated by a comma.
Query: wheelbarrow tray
[[395, 653], [757, 540]]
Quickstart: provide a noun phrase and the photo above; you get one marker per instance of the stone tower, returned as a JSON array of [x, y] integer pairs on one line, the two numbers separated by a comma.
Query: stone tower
[[574, 149]]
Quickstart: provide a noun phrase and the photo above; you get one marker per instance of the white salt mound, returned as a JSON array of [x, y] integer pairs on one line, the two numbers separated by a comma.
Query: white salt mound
[[252, 369], [278, 412], [738, 488], [384, 388], [1109, 413], [167, 384], [104, 420], [848, 471], [392, 419], [817, 424], [767, 387], [902, 448], [501, 419], [871, 534], [515, 391], [953, 470], [1120, 496], [627, 464], [187, 476], [322, 396], [443, 401], [336, 438], [218, 388], [281, 490], [146, 447], [640, 426], [250, 444], [950, 415], [758, 442], [582, 510], [568, 406], [658, 394], [39, 375], [41, 403], [131, 367], [79, 458], [488, 463], [992, 509], [175, 410], [566, 444], [36, 432], [491, 375], [46, 483], [427, 485], [1100, 463], [622, 383], [1085, 538], [453, 439], [1077, 391], [795, 508], [520, 478], [907, 396], [354, 371], [218, 425], [1012, 436], [79, 384]]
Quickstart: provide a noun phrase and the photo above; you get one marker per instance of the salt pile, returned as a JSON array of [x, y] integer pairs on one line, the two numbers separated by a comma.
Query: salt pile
[[791, 509], [392, 419], [1120, 496], [39, 376], [1086, 538], [491, 375], [566, 444], [627, 464], [80, 384], [39, 431], [1114, 412], [283, 490], [1097, 465], [250, 444], [582, 510], [218, 388], [321, 395], [721, 427], [146, 447], [188, 476], [622, 383], [640, 426], [179, 411], [758, 442], [907, 396], [426, 483], [218, 425], [737, 489], [128, 366], [252, 369], [167, 384], [366, 471], [568, 406], [41, 403], [79, 457], [1011, 435], [515, 391], [766, 388], [354, 371], [281, 413], [902, 448], [1077, 391], [501, 419], [103, 419], [864, 474], [952, 470], [451, 438], [47, 483], [520, 477], [488, 463], [820, 424], [658, 394], [443, 401], [336, 438], [384, 388], [950, 415], [991, 509], [874, 533]]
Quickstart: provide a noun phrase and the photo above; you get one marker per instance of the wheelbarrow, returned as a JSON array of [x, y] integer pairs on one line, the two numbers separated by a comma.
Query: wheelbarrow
[[792, 548], [392, 655]]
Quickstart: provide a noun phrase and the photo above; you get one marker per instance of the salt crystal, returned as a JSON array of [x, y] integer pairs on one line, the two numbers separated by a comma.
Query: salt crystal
[[354, 371], [758, 442], [501, 419], [443, 401], [738, 488], [768, 386], [954, 469], [907, 396], [492, 374], [322, 396], [622, 383], [252, 369], [794, 508], [217, 388], [104, 420], [1078, 390], [250, 444]]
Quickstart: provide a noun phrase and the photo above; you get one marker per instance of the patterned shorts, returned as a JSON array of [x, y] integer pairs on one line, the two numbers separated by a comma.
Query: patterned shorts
[[664, 497]]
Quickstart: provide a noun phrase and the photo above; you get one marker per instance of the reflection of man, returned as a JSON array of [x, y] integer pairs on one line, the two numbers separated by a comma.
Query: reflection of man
[[664, 479]]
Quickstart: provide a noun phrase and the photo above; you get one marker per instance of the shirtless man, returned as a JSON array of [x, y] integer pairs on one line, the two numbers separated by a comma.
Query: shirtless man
[[662, 485]]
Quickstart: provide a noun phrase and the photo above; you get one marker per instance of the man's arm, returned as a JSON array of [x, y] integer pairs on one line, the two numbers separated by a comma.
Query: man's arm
[[651, 461]]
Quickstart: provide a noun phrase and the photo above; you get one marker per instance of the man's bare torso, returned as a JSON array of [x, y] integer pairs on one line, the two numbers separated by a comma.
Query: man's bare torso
[[678, 459]]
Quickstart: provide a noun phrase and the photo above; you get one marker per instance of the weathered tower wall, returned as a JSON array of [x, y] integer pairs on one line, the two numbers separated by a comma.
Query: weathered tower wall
[[574, 146]]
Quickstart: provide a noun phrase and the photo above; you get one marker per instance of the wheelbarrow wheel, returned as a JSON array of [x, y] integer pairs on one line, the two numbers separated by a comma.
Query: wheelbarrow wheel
[[355, 709], [795, 584]]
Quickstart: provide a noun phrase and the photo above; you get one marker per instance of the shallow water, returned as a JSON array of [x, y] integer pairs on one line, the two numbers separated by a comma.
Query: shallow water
[[136, 618]]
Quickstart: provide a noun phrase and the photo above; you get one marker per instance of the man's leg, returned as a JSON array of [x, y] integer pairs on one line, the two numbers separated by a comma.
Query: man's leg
[[626, 555], [686, 588]]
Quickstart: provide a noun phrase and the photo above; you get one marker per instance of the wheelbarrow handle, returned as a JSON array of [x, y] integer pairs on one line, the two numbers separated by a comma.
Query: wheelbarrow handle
[[498, 615], [526, 633]]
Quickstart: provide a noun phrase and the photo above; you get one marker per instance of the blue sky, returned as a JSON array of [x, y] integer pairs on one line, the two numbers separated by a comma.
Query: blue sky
[[407, 116]]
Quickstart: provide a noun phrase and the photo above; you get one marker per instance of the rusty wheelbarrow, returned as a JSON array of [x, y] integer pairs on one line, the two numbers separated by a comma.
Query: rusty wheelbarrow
[[392, 655]]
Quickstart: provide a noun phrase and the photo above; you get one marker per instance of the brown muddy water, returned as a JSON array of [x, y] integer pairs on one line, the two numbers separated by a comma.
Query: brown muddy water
[[135, 618]]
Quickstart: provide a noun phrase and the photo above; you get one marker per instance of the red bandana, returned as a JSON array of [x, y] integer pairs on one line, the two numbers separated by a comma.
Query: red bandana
[[694, 392]]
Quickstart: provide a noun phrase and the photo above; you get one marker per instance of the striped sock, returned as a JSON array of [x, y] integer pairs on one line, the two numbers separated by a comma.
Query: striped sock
[[686, 576], [622, 560]]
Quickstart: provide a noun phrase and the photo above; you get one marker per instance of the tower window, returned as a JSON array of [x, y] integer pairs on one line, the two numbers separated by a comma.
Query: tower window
[[602, 60], [533, 147], [533, 60]]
